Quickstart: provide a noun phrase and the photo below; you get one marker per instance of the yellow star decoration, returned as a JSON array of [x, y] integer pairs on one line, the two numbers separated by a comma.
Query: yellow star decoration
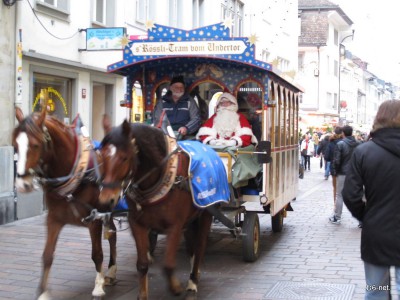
[[253, 39], [150, 25], [227, 23], [124, 41]]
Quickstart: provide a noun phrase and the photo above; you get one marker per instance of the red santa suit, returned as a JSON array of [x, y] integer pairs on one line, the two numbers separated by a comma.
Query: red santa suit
[[227, 127]]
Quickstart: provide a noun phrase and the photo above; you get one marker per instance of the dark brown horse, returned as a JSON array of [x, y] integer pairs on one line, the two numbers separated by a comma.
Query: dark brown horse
[[62, 160], [136, 159]]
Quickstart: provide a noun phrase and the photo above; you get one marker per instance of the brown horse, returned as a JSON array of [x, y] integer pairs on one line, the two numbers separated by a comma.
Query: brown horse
[[136, 159], [60, 158]]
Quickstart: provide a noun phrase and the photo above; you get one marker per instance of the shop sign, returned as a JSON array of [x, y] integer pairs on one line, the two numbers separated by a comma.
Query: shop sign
[[104, 38]]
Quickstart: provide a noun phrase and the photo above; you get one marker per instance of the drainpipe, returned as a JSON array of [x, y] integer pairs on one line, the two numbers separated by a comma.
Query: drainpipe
[[17, 83]]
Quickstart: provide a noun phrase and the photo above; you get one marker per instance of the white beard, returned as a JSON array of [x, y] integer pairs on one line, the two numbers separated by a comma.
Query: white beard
[[225, 123]]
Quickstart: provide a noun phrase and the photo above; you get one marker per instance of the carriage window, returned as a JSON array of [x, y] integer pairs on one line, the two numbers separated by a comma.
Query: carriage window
[[278, 113], [60, 95], [250, 97], [203, 94]]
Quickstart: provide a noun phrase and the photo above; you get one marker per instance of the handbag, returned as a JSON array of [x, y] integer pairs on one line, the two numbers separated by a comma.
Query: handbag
[[304, 152]]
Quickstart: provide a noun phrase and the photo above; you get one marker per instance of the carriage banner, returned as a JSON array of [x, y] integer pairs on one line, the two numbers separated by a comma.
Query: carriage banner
[[208, 41], [209, 183]]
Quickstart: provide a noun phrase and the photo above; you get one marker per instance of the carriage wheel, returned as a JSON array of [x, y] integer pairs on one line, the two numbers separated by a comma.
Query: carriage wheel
[[251, 237], [277, 221]]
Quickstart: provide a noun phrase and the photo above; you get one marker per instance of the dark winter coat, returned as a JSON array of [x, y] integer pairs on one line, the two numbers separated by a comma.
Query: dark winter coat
[[375, 166], [333, 140], [323, 146], [342, 154]]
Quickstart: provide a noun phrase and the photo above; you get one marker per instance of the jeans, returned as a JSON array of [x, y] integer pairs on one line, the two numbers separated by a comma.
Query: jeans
[[339, 198], [327, 168], [307, 162], [377, 279]]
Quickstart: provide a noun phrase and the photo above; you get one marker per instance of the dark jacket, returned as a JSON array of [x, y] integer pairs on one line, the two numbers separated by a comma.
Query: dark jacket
[[184, 112], [375, 166], [333, 140], [342, 154], [323, 146]]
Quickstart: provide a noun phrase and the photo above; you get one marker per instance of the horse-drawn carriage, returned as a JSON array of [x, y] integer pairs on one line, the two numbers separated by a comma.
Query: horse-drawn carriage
[[136, 157], [211, 62]]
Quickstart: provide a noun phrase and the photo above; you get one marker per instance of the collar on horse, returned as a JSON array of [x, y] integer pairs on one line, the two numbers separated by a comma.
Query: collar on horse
[[66, 185], [158, 191]]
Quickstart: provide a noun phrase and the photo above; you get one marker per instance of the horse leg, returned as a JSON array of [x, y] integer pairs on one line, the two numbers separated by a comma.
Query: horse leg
[[141, 236], [198, 248], [173, 239], [53, 231], [95, 230], [111, 275]]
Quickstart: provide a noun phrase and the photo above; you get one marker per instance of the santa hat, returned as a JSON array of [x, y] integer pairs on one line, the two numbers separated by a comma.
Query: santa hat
[[229, 97], [176, 79]]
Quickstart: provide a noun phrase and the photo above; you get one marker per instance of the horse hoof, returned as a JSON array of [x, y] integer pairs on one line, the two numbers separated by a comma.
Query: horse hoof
[[44, 296], [177, 290], [98, 293], [191, 295], [109, 281]]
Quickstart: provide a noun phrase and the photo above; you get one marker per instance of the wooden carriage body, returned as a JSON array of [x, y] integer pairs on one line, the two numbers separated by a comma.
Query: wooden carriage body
[[212, 62]]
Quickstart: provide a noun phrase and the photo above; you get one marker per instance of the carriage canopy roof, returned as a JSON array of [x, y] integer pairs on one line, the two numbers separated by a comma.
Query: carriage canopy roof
[[165, 46], [169, 45]]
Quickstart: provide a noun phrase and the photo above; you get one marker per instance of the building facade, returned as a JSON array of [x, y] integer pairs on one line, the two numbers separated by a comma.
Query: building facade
[[339, 89], [7, 115]]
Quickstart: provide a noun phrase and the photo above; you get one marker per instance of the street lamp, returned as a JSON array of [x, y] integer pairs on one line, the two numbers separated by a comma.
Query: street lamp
[[342, 50]]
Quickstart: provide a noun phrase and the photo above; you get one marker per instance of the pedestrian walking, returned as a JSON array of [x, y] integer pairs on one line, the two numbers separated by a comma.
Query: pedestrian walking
[[307, 151], [321, 152], [375, 169], [341, 161], [333, 140]]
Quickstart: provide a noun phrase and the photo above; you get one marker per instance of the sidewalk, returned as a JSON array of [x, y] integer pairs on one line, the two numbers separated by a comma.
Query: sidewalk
[[310, 259]]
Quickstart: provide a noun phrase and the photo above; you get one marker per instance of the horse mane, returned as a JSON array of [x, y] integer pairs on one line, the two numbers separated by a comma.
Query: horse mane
[[29, 126], [149, 140]]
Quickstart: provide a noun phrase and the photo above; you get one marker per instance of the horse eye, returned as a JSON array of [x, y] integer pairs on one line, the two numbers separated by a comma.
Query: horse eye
[[35, 147]]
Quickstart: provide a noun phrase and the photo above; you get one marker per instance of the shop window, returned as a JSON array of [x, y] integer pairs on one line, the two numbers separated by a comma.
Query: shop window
[[59, 92]]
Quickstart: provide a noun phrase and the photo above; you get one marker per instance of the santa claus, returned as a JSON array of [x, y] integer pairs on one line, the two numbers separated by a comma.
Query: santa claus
[[227, 127]]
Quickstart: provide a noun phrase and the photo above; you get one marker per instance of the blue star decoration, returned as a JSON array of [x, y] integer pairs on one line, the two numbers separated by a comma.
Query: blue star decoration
[[135, 51]]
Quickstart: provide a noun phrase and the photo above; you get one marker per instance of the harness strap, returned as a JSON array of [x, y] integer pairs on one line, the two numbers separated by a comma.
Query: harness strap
[[163, 186], [70, 182]]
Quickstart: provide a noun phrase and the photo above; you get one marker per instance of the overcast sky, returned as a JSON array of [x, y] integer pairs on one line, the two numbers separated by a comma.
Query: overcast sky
[[376, 37]]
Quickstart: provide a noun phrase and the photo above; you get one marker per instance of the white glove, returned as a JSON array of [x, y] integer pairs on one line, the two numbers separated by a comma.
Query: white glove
[[212, 142], [231, 143]]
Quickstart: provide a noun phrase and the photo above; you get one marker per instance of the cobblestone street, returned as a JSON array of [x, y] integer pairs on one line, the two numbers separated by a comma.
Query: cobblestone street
[[309, 259]]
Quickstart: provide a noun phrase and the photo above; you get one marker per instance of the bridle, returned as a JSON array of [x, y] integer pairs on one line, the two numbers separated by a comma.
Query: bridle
[[63, 185], [129, 186]]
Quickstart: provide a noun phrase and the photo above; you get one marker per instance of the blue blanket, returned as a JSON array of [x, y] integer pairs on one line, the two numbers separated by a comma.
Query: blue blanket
[[209, 182]]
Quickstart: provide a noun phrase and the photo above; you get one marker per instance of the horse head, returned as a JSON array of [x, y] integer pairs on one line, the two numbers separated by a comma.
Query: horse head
[[118, 150], [28, 140]]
